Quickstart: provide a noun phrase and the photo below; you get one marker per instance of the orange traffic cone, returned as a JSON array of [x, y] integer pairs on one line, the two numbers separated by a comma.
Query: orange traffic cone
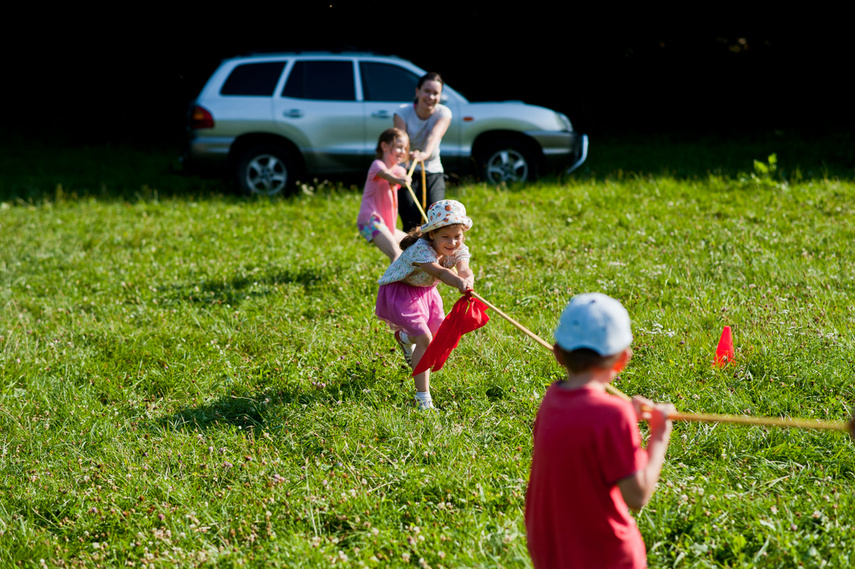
[[724, 351]]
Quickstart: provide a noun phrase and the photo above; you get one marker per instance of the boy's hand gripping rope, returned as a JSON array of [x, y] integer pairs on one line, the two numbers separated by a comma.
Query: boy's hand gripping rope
[[701, 417]]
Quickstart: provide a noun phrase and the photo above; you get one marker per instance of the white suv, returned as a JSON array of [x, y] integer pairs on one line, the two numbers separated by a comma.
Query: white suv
[[271, 119]]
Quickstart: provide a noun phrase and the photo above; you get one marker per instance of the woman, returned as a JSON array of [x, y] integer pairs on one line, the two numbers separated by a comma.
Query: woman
[[425, 121]]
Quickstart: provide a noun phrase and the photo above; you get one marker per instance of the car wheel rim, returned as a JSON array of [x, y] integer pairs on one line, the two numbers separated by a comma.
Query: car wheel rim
[[507, 166], [266, 174]]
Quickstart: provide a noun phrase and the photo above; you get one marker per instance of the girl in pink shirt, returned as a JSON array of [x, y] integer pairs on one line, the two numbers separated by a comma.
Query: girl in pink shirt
[[379, 210]]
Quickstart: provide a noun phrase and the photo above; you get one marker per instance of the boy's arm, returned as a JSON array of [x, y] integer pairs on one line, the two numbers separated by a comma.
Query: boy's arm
[[637, 488]]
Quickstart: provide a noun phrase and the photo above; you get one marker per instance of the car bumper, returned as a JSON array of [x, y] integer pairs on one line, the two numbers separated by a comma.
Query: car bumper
[[583, 153], [206, 154], [562, 150]]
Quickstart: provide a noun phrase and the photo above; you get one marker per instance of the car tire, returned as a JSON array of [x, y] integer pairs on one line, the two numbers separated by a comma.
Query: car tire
[[266, 171], [507, 161]]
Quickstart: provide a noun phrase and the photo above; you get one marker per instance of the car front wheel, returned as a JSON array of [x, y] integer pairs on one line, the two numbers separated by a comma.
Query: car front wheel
[[265, 171], [507, 161]]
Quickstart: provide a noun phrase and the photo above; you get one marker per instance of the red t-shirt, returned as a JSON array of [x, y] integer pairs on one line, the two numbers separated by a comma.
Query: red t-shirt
[[585, 441]]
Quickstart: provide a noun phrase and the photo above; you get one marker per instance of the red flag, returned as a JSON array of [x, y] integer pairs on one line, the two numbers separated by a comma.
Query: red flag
[[467, 314]]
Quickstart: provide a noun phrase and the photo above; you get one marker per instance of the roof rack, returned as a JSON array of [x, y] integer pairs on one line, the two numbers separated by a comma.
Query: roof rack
[[345, 50]]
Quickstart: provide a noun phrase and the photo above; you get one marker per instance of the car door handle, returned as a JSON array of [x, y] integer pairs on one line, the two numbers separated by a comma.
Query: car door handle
[[293, 114], [381, 115]]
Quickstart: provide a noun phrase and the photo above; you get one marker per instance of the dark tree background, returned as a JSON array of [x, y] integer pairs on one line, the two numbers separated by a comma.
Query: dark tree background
[[128, 73]]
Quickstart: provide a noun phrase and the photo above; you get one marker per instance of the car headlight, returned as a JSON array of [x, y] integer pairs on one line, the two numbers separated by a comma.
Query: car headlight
[[562, 118]]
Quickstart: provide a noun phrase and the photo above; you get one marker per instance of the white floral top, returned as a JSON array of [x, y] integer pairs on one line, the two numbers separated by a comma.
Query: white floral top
[[421, 251]]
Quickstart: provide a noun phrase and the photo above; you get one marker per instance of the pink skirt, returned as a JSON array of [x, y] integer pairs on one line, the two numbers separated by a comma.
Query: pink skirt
[[416, 310]]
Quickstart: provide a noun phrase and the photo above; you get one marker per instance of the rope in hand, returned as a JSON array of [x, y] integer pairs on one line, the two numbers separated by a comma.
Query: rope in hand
[[413, 194], [700, 417]]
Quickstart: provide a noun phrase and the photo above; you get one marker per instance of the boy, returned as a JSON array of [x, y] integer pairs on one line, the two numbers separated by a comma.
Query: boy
[[588, 464]]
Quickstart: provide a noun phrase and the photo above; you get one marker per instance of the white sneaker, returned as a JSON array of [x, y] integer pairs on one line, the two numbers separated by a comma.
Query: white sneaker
[[424, 405], [407, 349]]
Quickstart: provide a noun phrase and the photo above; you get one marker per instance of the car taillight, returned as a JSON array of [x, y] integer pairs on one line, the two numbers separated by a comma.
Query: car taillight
[[200, 117]]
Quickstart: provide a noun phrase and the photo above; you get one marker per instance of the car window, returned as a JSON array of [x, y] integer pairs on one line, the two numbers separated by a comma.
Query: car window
[[253, 79], [321, 80], [384, 82]]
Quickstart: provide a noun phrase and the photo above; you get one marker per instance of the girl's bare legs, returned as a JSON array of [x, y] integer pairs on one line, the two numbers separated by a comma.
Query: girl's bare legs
[[422, 380], [387, 241]]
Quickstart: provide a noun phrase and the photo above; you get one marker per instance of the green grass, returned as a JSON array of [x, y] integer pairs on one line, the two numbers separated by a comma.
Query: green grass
[[190, 378]]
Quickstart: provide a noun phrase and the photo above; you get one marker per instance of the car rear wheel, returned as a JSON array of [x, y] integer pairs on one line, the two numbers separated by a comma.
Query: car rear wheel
[[266, 171], [508, 161]]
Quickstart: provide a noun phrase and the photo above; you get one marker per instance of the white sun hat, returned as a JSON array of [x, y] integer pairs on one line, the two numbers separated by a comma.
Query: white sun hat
[[446, 212]]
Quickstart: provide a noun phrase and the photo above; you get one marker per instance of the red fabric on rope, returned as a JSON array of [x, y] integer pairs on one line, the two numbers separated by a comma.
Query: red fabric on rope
[[467, 314]]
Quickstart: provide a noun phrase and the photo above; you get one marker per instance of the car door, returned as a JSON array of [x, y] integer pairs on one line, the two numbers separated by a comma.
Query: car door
[[318, 110], [385, 87]]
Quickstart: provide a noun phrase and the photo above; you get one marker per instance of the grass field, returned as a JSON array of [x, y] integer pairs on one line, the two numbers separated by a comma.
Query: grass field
[[190, 378]]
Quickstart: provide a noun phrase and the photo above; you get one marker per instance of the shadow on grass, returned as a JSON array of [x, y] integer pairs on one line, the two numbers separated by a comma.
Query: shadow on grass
[[801, 155], [237, 289], [45, 169], [262, 409]]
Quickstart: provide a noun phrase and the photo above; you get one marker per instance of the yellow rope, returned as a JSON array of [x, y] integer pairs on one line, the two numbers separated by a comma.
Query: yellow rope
[[418, 205], [701, 417], [424, 186], [413, 194]]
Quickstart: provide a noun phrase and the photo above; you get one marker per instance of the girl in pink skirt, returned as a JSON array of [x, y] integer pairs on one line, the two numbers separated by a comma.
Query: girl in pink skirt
[[408, 300]]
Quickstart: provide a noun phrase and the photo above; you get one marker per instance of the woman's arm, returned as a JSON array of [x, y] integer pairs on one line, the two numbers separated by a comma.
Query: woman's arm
[[434, 137], [399, 123]]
